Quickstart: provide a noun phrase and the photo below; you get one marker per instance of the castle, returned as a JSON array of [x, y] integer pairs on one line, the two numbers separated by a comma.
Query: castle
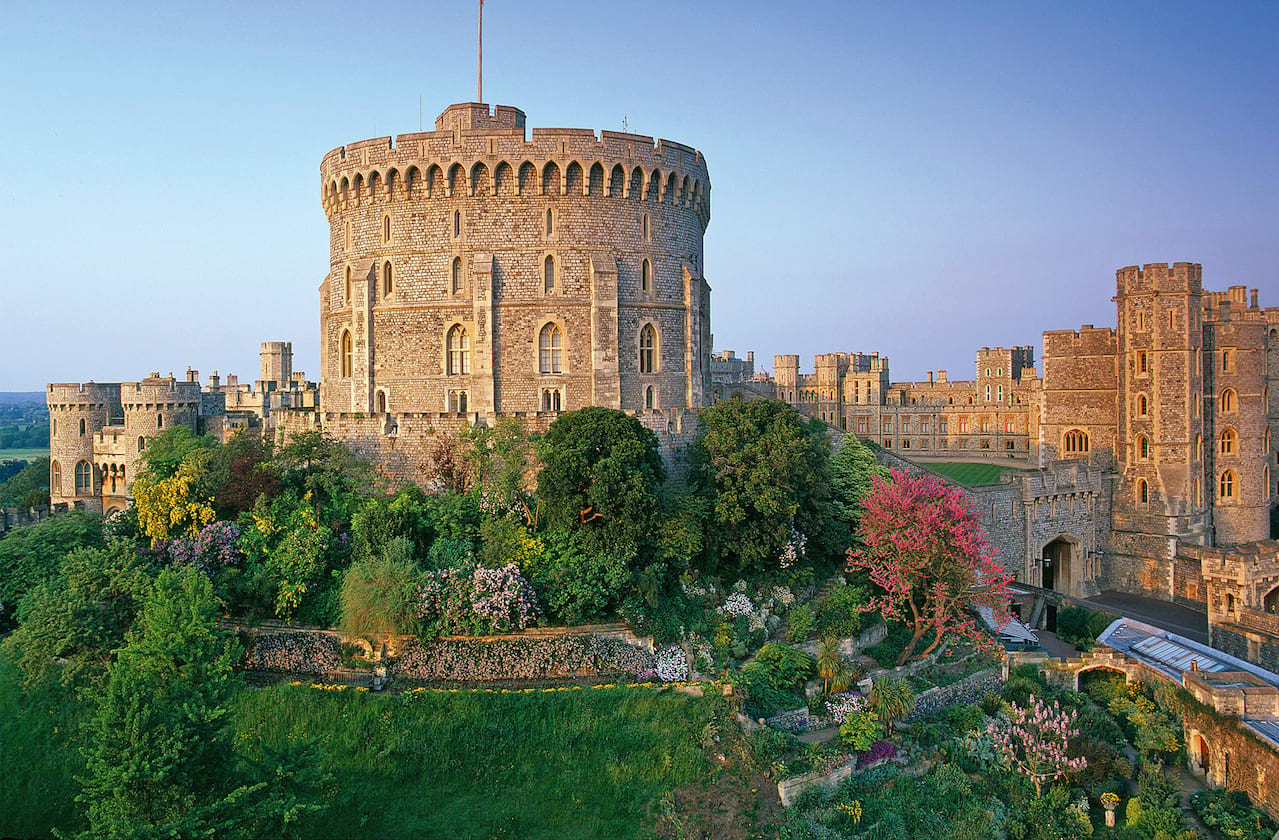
[[97, 430], [1152, 442], [478, 272]]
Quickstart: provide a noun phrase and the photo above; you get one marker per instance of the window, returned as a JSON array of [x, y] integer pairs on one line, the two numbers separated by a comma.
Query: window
[[457, 275], [548, 275], [1199, 447], [988, 392], [861, 425], [347, 296], [1143, 405], [1143, 447], [549, 344], [1228, 440], [1010, 445], [83, 478], [53, 428], [386, 229], [81, 427], [55, 479], [459, 351], [942, 425], [1172, 319], [1141, 362], [1010, 427], [1227, 361], [1000, 393], [1227, 488], [159, 421], [1199, 493], [457, 402], [650, 399], [985, 424], [1143, 492], [142, 443], [457, 223], [963, 426], [1228, 400], [347, 239], [647, 231], [550, 222], [646, 276], [388, 285], [345, 354], [380, 404], [648, 349], [551, 399]]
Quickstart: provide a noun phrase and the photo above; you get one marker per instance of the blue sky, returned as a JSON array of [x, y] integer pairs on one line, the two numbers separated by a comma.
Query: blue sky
[[919, 179]]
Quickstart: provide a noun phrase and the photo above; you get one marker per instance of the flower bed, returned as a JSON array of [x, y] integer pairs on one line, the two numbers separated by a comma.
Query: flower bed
[[295, 653], [465, 660]]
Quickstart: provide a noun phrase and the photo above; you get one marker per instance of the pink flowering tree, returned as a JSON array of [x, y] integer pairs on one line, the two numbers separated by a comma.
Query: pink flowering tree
[[925, 550], [1034, 741]]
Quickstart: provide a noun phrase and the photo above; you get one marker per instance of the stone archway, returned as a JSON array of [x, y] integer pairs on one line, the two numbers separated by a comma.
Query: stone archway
[[1198, 755], [1062, 565]]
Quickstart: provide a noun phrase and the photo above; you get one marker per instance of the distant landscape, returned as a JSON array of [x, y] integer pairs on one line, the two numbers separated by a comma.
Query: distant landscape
[[24, 425]]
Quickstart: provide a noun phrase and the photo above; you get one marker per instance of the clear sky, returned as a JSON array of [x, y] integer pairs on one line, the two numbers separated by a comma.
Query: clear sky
[[920, 179]]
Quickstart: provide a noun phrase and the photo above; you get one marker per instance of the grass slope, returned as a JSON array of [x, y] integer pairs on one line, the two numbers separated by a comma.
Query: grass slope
[[22, 454], [969, 473], [580, 764]]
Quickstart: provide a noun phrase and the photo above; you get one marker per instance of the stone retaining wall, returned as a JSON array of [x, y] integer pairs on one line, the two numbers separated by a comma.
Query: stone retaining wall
[[970, 689]]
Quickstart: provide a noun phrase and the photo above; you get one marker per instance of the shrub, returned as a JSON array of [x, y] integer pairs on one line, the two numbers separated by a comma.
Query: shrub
[[379, 597], [801, 622], [860, 729], [782, 666], [837, 614], [1233, 814], [767, 745], [1080, 626]]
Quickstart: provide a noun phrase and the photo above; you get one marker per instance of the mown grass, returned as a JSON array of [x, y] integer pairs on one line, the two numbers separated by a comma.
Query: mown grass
[[574, 764], [39, 757], [968, 473], [22, 454], [570, 764]]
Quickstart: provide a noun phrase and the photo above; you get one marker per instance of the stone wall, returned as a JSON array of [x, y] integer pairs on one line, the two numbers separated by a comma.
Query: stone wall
[[970, 689], [11, 518]]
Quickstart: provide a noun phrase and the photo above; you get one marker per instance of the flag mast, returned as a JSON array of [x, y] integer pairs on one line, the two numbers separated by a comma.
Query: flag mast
[[479, 82]]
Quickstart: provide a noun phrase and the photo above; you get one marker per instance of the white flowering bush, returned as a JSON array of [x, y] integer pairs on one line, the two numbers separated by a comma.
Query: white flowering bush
[[672, 665], [793, 551], [737, 604], [464, 660], [840, 706]]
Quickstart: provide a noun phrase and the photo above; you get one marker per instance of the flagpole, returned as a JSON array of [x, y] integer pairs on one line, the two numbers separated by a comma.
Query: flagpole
[[479, 83]]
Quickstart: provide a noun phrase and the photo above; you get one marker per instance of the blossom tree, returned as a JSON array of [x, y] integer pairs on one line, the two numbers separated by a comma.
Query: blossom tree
[[924, 549], [1034, 741]]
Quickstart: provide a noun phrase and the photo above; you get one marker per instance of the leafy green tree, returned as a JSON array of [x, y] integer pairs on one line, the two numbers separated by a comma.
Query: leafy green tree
[[504, 462], [379, 594], [288, 552], [834, 670], [31, 554], [380, 520], [852, 469], [579, 578], [157, 752], [165, 452], [600, 473], [765, 473], [317, 467], [174, 505], [240, 471], [24, 485], [81, 615]]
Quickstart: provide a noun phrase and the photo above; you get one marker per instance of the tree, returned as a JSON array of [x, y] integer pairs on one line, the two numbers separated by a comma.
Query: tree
[[239, 471], [925, 550], [766, 476], [832, 667], [31, 554], [157, 752], [81, 615], [600, 473], [165, 452], [379, 594], [25, 483], [317, 467], [1034, 739], [891, 700], [174, 505], [852, 470], [504, 461]]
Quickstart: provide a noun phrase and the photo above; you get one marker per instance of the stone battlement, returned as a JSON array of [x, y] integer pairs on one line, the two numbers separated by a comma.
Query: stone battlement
[[473, 152], [1160, 277]]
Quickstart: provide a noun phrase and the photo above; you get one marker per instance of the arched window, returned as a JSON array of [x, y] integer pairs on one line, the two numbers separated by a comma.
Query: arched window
[[457, 275], [550, 222], [1076, 442], [381, 402], [1143, 447], [1199, 493], [1199, 447], [459, 351], [388, 284], [1226, 361], [345, 354], [1228, 400], [55, 478], [650, 397], [1141, 362], [83, 478], [1228, 440], [648, 349], [81, 427], [648, 233], [347, 296], [646, 276], [1143, 492], [159, 421], [548, 274], [1227, 485], [549, 345], [551, 399], [142, 443], [1143, 405], [347, 239], [386, 228], [457, 223]]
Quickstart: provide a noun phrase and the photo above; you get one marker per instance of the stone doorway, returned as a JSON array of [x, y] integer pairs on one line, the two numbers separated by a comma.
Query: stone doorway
[[1060, 565], [1199, 757]]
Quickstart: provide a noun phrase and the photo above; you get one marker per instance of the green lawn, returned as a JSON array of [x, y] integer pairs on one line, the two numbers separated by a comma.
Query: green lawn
[[569, 764], [22, 454], [969, 473]]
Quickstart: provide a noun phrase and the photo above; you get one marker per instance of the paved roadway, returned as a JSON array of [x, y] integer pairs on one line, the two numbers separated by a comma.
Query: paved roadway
[[1166, 616]]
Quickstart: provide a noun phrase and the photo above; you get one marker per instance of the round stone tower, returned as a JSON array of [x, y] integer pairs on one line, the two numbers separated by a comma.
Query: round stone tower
[[76, 412], [476, 270]]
